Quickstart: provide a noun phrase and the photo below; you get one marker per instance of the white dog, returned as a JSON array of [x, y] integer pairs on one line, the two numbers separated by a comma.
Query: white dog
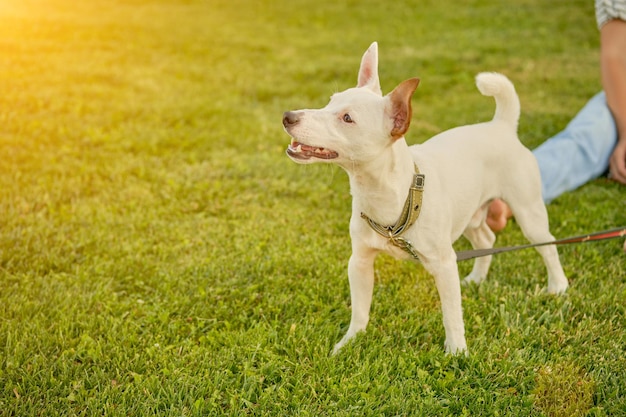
[[450, 181]]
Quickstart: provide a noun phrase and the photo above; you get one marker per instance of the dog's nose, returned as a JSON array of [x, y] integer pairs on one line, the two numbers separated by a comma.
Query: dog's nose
[[290, 118]]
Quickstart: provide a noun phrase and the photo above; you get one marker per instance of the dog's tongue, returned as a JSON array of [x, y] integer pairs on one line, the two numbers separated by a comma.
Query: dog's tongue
[[302, 151]]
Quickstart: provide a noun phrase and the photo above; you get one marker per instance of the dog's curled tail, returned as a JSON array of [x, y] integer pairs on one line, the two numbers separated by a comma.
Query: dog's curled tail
[[498, 86]]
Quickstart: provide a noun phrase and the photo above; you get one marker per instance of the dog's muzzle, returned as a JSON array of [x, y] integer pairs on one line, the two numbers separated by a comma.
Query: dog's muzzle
[[301, 151]]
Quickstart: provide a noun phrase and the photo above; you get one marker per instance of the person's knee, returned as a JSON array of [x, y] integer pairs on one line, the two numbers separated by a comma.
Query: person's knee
[[613, 38]]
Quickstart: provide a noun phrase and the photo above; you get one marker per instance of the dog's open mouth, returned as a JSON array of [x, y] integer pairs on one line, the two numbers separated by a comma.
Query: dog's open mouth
[[301, 151]]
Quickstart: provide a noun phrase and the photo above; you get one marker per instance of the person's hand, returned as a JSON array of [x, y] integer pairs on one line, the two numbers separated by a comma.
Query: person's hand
[[617, 162]]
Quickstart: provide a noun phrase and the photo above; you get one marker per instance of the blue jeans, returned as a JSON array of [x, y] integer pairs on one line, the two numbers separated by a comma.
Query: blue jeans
[[579, 153]]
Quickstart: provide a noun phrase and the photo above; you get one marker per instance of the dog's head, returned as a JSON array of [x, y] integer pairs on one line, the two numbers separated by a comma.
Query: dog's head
[[356, 125]]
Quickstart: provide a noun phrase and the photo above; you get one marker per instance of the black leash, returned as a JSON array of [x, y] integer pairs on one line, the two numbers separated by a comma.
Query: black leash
[[607, 234]]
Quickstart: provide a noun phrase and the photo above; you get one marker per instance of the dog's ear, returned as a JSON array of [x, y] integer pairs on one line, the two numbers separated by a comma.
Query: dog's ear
[[368, 72], [400, 106]]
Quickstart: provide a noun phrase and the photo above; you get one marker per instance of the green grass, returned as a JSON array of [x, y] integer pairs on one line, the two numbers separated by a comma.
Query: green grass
[[159, 254]]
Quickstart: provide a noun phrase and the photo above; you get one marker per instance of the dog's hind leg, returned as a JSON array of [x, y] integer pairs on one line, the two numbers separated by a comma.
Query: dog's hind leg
[[481, 237], [533, 220]]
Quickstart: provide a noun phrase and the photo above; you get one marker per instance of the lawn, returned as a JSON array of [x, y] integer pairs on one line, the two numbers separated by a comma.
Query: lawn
[[160, 255]]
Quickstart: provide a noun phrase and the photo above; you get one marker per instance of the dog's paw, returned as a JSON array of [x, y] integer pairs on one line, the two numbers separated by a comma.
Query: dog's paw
[[341, 344], [456, 350], [557, 283], [351, 334], [473, 278], [558, 287]]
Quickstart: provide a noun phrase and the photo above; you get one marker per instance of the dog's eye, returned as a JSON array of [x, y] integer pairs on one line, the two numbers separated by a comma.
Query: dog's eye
[[347, 118]]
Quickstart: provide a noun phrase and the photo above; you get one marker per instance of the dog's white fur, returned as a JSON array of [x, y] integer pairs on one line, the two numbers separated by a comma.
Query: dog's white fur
[[465, 168]]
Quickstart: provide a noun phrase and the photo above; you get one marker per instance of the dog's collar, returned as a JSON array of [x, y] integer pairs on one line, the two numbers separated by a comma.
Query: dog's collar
[[410, 213]]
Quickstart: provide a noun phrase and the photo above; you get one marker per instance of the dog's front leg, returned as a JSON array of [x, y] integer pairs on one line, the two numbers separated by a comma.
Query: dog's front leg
[[361, 277], [446, 276]]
